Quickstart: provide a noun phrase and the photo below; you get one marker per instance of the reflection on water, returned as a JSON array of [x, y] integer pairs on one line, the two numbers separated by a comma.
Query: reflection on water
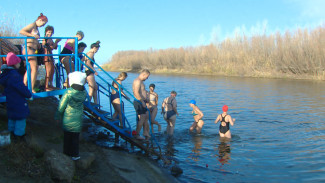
[[280, 124], [224, 151], [169, 147], [196, 150], [169, 151]]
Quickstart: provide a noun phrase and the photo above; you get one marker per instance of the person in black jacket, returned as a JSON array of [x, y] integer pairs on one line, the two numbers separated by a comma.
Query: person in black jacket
[[16, 93]]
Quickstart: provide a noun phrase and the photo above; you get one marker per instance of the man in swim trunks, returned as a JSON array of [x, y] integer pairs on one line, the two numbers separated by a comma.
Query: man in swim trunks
[[225, 119], [140, 107], [169, 110]]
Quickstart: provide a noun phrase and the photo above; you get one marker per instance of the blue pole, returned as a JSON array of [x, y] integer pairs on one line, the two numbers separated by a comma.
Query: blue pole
[[121, 106], [109, 90], [76, 54], [29, 82], [58, 73]]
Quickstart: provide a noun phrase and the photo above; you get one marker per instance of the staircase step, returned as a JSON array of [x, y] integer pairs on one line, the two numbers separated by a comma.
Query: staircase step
[[102, 112], [97, 106], [106, 114], [116, 122]]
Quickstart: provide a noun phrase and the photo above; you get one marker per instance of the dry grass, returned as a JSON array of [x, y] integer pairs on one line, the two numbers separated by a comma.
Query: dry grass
[[298, 54]]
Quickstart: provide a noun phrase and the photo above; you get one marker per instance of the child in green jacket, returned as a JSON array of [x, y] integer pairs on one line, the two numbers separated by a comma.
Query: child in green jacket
[[70, 110]]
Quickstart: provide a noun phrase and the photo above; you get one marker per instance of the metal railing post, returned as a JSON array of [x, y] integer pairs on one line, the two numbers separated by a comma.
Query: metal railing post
[[76, 61], [58, 72], [28, 70]]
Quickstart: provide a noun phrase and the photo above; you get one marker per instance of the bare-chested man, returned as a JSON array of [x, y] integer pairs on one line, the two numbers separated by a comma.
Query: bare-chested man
[[140, 94]]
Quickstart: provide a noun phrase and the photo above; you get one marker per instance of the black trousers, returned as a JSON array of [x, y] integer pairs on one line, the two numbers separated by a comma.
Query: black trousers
[[71, 144]]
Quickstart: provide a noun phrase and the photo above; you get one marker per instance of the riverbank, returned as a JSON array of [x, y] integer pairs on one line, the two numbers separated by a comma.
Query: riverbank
[[321, 77], [28, 161]]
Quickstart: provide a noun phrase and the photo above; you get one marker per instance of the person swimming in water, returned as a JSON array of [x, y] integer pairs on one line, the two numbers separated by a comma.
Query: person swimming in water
[[197, 115], [225, 119]]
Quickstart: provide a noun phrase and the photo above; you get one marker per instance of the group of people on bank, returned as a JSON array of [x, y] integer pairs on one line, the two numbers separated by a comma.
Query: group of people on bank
[[14, 81], [70, 109], [46, 46]]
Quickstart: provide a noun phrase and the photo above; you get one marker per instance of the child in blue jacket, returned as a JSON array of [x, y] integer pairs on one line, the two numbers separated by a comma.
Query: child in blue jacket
[[16, 93]]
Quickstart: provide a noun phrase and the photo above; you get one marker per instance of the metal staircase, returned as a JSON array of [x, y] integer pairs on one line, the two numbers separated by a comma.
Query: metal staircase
[[104, 118], [94, 112]]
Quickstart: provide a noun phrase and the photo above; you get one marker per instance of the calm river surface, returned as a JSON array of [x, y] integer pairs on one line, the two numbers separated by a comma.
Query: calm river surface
[[278, 136]]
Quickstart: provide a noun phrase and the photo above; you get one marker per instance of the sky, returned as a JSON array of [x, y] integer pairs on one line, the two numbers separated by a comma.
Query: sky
[[123, 25]]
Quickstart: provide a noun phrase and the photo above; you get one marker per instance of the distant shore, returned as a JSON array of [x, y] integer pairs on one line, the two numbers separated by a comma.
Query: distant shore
[[297, 54], [107, 67]]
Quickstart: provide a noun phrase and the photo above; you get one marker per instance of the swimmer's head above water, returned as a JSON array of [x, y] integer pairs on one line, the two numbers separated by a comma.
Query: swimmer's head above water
[[193, 102], [225, 108], [152, 85]]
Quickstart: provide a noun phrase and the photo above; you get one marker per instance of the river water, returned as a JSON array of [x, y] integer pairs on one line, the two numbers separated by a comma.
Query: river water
[[278, 136]]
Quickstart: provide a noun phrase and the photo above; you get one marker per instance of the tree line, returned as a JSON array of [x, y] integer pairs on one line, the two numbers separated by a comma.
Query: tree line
[[297, 54]]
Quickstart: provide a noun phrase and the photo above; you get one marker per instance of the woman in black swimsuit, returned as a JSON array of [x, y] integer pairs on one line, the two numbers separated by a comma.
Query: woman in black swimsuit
[[91, 72], [115, 96], [225, 119]]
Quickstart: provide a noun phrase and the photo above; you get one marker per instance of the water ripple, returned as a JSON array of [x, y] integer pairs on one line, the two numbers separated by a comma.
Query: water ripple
[[278, 134]]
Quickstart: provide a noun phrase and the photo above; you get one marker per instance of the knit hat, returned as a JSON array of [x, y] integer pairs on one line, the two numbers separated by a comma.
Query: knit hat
[[12, 59], [225, 108], [77, 77]]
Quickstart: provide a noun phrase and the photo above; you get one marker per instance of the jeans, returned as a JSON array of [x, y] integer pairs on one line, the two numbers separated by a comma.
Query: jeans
[[17, 126]]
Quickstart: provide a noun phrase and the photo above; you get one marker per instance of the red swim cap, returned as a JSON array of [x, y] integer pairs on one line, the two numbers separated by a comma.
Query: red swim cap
[[225, 108]]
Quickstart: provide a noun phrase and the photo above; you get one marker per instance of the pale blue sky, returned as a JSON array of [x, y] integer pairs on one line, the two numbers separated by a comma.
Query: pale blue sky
[[140, 25]]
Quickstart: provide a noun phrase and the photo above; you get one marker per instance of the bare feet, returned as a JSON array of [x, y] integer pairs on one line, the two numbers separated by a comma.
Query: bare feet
[[51, 88]]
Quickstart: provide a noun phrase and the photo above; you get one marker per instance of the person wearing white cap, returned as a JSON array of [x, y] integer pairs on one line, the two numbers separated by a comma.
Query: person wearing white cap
[[70, 111]]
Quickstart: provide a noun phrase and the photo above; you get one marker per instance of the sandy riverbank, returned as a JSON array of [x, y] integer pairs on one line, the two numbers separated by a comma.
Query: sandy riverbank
[[24, 162]]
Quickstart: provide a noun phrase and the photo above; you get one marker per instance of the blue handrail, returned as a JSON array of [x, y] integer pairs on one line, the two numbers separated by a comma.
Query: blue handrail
[[78, 63], [119, 91], [26, 55], [109, 86]]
